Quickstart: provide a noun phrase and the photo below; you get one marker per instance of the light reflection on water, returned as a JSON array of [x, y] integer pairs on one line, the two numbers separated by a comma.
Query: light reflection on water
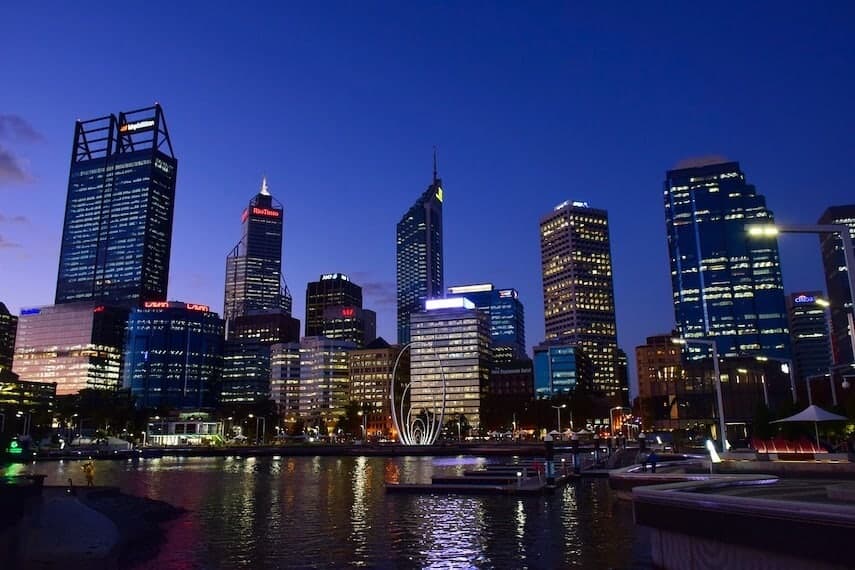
[[331, 512]]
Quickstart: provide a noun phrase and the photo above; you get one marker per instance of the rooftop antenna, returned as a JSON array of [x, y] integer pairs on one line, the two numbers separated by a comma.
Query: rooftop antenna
[[434, 165], [264, 190]]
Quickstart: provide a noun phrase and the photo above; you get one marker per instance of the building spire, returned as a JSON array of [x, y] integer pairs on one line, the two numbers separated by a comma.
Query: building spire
[[264, 190], [435, 178]]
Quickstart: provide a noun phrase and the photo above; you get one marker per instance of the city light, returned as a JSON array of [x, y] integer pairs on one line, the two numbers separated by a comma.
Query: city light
[[453, 303], [765, 230]]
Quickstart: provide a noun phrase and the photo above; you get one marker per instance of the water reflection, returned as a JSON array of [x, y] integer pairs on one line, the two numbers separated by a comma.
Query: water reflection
[[306, 512]]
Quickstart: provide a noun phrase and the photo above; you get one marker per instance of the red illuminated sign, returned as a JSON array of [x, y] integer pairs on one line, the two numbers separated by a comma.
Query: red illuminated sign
[[99, 309], [156, 304], [348, 312], [168, 305], [244, 216], [267, 212], [195, 307]]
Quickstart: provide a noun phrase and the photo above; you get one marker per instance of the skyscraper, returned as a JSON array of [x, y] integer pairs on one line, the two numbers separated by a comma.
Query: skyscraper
[[173, 355], [451, 339], [324, 383], [419, 255], [117, 233], [837, 280], [359, 326], [578, 292], [331, 290], [560, 369], [370, 371], [8, 330], [254, 280], [506, 316], [809, 332], [726, 286]]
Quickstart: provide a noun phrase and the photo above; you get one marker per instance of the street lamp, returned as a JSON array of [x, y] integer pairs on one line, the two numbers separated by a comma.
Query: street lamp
[[558, 409], [712, 345]]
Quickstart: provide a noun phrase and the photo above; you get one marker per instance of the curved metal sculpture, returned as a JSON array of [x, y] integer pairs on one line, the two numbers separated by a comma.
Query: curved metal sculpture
[[419, 430]]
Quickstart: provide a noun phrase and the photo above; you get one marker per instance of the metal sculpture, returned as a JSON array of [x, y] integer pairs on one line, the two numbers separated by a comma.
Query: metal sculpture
[[421, 429]]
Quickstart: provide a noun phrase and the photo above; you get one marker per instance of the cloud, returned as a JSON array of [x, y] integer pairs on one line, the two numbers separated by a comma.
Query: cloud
[[14, 219], [383, 293], [13, 127], [11, 170], [6, 244]]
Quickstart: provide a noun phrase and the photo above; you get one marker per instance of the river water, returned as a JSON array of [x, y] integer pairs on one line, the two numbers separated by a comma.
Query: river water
[[333, 512]]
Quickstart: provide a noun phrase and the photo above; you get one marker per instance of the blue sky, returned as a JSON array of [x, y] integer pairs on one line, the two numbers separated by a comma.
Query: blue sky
[[340, 104]]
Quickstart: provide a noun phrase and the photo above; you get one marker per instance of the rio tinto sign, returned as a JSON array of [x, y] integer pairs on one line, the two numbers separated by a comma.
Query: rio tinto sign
[[266, 212]]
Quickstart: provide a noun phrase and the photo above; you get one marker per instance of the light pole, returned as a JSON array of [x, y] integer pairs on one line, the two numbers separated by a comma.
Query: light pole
[[712, 345], [558, 409]]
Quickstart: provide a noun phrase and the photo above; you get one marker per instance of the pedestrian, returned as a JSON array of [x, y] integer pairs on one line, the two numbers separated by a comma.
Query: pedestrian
[[89, 472]]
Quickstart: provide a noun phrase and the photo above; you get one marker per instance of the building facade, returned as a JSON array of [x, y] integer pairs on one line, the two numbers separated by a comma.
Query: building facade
[[246, 373], [808, 323], [726, 285], [8, 332], [450, 340], [578, 289], [324, 383], [561, 369], [512, 379], [370, 370], [419, 255], [117, 233], [265, 327], [837, 281], [173, 355], [506, 316], [355, 324], [254, 277], [331, 290], [75, 345], [285, 379]]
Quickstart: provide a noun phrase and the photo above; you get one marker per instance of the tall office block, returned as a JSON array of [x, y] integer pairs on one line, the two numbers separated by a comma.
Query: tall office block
[[578, 291], [117, 232], [254, 278], [76, 345], [419, 255], [357, 325], [506, 316], [285, 379], [837, 280], [324, 382], [8, 331], [370, 371], [246, 373], [450, 338], [726, 286], [331, 290], [561, 369], [808, 323], [173, 355]]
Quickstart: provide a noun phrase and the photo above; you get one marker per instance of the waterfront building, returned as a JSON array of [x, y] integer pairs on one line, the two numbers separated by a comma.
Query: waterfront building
[[173, 355], [285, 379], [246, 373], [324, 382], [726, 286], [36, 398], [331, 290], [658, 360], [837, 280], [512, 379], [75, 345], [185, 428], [117, 232], [8, 331], [578, 289], [561, 369], [808, 324], [355, 324], [254, 277], [450, 339], [419, 255], [370, 370], [506, 316]]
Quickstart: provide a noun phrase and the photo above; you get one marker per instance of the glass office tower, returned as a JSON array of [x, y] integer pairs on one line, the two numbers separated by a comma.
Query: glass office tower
[[419, 255], [578, 290], [837, 280], [726, 285], [8, 331], [173, 355], [507, 320], [254, 280], [561, 368], [117, 233], [808, 324], [331, 290]]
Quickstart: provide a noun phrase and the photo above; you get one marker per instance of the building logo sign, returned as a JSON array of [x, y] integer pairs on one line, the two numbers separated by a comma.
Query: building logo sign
[[34, 311], [156, 304], [244, 216], [508, 293], [348, 312], [195, 307], [169, 305], [328, 276], [137, 126], [439, 193], [266, 212], [804, 299]]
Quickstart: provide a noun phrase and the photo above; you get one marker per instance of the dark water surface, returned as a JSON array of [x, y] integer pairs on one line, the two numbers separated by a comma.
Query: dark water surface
[[330, 512]]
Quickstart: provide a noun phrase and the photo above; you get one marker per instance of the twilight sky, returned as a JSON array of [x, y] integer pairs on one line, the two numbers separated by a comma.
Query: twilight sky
[[339, 104]]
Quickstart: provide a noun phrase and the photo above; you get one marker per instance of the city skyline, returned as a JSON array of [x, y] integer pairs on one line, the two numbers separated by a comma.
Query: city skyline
[[538, 171]]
